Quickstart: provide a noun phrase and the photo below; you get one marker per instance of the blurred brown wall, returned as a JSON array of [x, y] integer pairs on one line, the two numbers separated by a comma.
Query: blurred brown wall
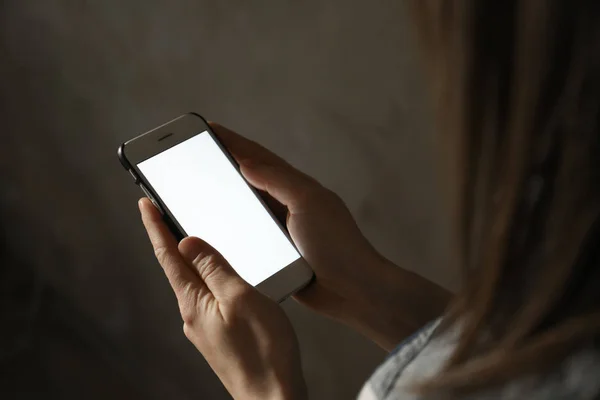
[[333, 86]]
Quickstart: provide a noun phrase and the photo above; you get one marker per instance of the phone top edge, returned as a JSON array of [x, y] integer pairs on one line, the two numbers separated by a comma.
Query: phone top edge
[[196, 115], [279, 286], [145, 145], [160, 127], [122, 158]]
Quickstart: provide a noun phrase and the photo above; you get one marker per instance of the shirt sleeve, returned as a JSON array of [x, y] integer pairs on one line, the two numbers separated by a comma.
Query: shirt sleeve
[[385, 376]]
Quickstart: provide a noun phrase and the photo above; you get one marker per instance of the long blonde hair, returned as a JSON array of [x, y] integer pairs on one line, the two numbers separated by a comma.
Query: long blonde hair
[[517, 89]]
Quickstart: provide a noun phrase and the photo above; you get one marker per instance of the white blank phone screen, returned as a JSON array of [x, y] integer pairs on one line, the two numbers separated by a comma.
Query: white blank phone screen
[[210, 200]]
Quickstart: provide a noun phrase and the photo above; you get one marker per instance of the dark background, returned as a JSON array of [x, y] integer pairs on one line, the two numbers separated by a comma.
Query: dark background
[[334, 87]]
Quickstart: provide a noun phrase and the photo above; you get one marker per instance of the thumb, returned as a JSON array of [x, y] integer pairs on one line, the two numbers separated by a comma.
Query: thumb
[[216, 273], [284, 183]]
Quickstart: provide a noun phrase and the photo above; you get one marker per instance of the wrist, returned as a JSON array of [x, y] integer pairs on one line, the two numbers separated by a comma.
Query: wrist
[[293, 391], [297, 393], [394, 303], [276, 388]]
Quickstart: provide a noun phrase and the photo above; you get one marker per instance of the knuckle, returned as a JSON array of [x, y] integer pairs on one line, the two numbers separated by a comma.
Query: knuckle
[[160, 252], [207, 265], [187, 290], [188, 316], [188, 313], [187, 330]]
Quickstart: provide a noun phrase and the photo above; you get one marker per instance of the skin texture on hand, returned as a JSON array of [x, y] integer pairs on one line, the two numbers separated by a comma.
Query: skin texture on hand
[[245, 337], [354, 283]]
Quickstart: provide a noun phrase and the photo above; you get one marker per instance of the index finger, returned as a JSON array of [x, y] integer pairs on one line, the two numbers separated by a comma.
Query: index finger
[[244, 150], [165, 248]]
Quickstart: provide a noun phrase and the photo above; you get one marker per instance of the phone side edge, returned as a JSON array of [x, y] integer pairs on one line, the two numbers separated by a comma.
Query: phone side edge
[[166, 216]]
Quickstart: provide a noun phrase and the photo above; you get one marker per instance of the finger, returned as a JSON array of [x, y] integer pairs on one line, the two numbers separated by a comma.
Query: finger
[[279, 210], [244, 150], [216, 273], [266, 171], [286, 185], [318, 298], [165, 249]]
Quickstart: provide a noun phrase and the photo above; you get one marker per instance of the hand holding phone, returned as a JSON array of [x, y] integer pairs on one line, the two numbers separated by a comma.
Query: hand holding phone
[[254, 342], [354, 284], [186, 172], [245, 337]]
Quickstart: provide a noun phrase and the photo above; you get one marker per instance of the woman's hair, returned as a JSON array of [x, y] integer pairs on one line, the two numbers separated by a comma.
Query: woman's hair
[[517, 90]]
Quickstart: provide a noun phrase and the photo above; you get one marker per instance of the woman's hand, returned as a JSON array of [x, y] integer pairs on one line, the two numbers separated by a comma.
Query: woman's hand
[[354, 283], [245, 337]]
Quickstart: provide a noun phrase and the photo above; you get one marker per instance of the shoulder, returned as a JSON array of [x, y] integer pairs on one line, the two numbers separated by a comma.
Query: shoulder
[[423, 354], [385, 377]]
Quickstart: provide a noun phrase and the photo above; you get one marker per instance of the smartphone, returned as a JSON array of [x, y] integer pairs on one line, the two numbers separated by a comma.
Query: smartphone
[[198, 187]]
